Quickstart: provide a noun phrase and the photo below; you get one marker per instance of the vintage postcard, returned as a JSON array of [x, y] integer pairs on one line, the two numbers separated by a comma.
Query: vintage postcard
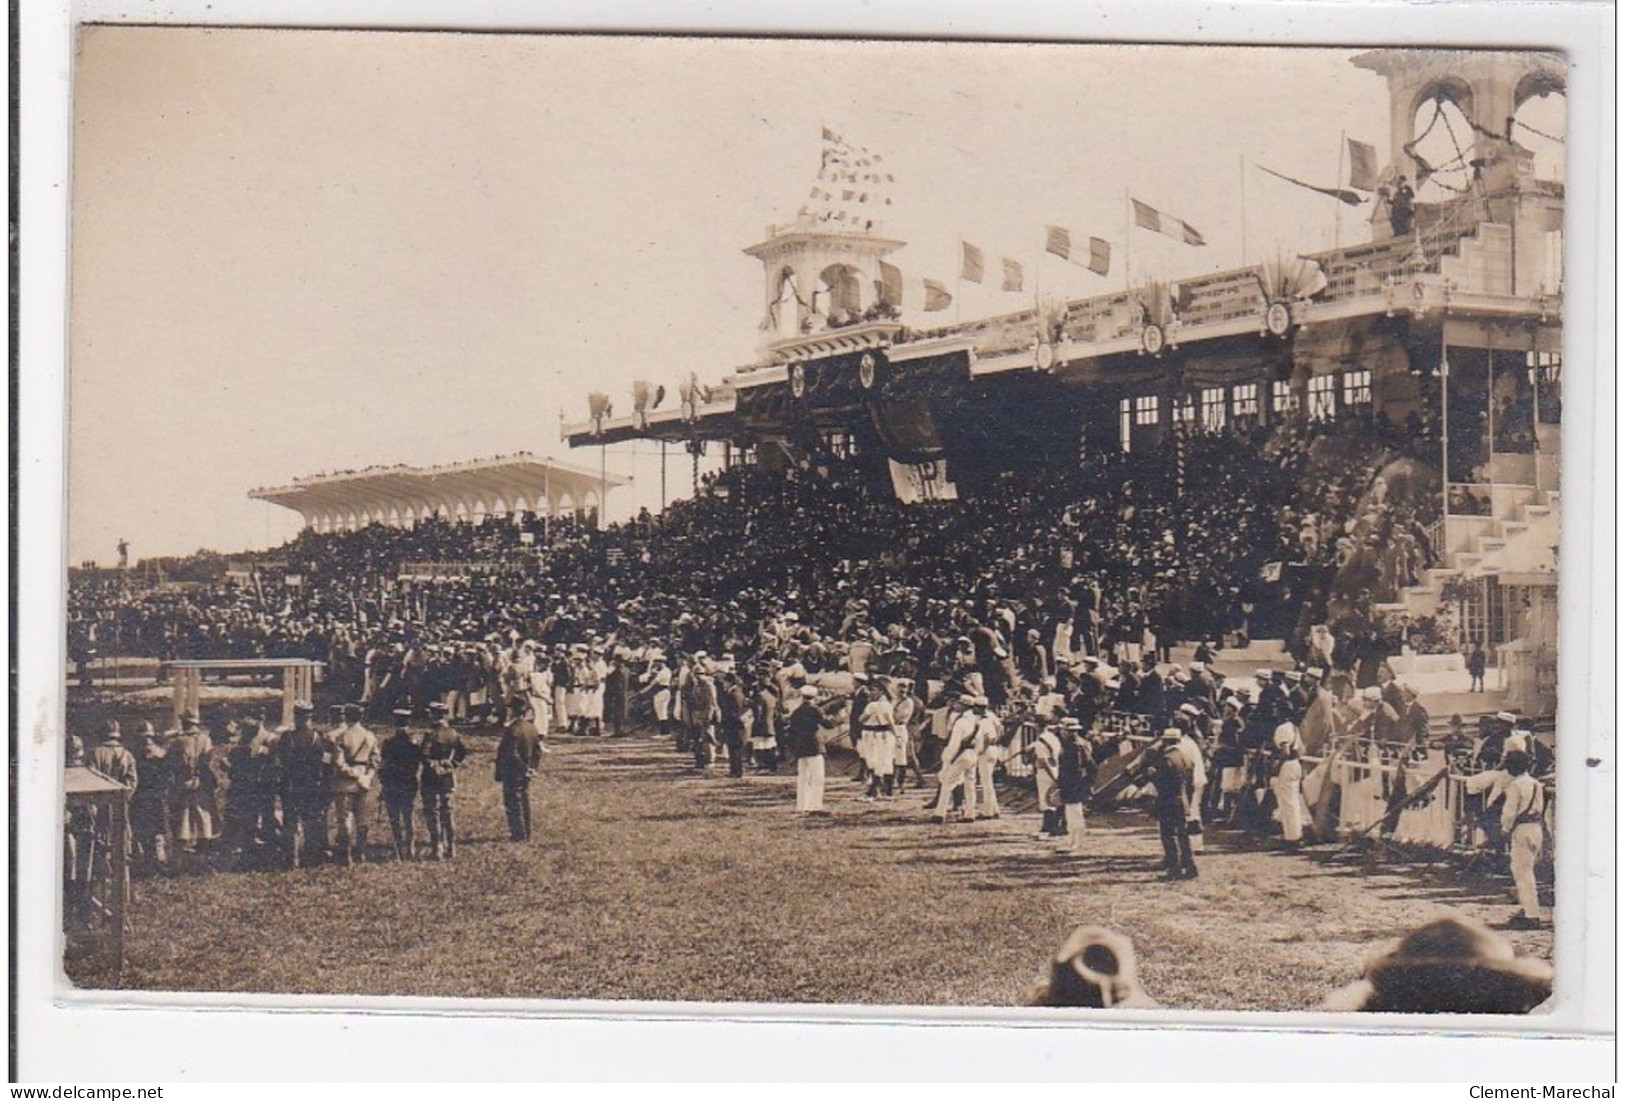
[[613, 520]]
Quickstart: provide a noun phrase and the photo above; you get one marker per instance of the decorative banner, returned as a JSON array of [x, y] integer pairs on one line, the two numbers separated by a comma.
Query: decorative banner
[[1058, 242], [1147, 217], [915, 482]]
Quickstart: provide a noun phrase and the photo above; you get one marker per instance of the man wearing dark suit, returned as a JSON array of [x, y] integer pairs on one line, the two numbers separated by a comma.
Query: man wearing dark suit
[[1169, 772], [400, 762], [519, 755], [443, 754], [302, 756]]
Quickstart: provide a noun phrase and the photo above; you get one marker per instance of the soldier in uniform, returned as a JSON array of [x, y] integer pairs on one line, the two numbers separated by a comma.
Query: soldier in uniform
[[355, 764], [149, 801], [443, 753], [302, 756], [519, 755], [191, 789], [400, 761], [700, 711], [111, 759]]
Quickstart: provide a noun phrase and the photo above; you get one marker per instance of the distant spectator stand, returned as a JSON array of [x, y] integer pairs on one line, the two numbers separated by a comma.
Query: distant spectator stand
[[98, 863], [298, 680]]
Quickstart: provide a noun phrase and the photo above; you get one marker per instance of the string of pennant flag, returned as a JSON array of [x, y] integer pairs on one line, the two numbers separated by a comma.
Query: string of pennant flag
[[1362, 157], [851, 187]]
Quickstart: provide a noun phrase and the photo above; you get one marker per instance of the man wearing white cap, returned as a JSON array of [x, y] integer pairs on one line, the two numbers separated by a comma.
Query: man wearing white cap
[[805, 741], [959, 758], [1288, 783], [1523, 823], [658, 678], [990, 750]]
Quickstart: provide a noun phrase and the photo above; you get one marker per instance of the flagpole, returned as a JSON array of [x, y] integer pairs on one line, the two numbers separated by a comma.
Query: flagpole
[[959, 287], [1128, 241], [1241, 162], [1337, 225]]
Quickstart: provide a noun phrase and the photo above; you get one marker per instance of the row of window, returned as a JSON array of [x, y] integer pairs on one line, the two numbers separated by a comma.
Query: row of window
[[1218, 405]]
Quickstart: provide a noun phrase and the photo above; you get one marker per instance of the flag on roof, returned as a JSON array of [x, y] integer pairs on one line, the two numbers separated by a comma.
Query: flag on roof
[[1058, 242], [1362, 165], [936, 296], [970, 263], [889, 288], [1012, 275], [1148, 217]]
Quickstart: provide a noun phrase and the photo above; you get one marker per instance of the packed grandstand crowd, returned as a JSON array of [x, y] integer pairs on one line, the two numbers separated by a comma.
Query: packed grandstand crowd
[[1229, 536]]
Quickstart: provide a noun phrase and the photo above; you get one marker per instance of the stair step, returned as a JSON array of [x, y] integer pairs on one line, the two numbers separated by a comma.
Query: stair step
[[1466, 562], [1531, 513]]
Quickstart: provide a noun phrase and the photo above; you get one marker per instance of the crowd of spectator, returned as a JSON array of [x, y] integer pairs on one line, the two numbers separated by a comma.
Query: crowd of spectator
[[1137, 550]]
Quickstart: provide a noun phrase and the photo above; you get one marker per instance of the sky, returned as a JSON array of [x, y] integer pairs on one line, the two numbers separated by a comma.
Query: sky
[[305, 251]]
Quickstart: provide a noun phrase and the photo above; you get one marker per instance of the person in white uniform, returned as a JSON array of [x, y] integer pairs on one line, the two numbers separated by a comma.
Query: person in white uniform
[[1523, 822], [1288, 781], [959, 759]]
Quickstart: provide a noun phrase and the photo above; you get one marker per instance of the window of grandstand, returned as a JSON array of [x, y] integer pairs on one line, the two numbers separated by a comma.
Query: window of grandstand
[[1281, 400], [842, 293], [1185, 409], [1323, 397], [1546, 371], [1147, 408], [1244, 400], [1356, 388], [1213, 409]]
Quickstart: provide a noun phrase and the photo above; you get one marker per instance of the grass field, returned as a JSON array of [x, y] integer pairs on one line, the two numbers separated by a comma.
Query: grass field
[[648, 881]]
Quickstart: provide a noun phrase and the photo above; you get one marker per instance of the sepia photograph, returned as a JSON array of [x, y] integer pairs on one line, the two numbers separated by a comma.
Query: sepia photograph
[[812, 522]]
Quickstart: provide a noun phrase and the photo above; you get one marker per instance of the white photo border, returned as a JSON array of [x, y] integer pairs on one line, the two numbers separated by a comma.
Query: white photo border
[[145, 1037]]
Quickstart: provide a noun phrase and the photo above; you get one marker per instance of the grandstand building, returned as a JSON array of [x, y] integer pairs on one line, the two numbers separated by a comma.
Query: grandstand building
[[1455, 322], [400, 496]]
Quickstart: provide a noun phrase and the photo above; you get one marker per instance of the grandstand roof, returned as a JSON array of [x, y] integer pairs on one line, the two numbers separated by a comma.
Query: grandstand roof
[[402, 493]]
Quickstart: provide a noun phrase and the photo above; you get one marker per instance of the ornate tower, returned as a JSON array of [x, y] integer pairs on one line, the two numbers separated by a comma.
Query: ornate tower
[[823, 270], [1488, 87], [817, 278]]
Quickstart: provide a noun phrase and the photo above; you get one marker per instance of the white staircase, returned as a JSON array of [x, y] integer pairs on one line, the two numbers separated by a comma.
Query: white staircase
[[1475, 544], [1484, 263]]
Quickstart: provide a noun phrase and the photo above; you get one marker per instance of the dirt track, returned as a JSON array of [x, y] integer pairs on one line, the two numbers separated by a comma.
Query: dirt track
[[648, 881]]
